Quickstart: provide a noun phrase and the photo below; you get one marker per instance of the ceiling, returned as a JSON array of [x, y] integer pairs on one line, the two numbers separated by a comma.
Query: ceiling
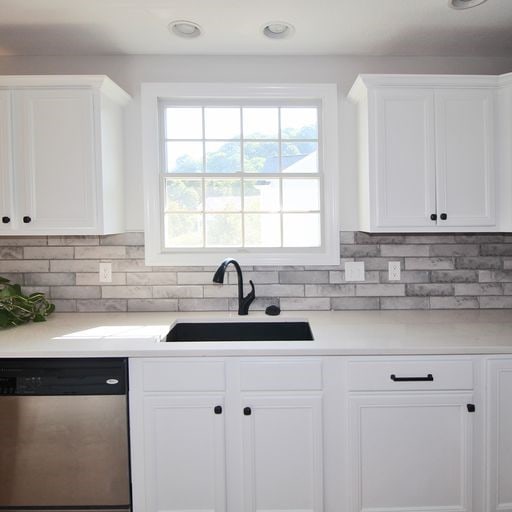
[[327, 27]]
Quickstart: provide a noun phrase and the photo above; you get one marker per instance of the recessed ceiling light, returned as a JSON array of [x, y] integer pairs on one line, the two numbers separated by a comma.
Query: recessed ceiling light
[[184, 28], [465, 4], [278, 29]]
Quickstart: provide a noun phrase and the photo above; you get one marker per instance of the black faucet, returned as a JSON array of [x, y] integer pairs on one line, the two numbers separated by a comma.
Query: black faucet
[[243, 302]]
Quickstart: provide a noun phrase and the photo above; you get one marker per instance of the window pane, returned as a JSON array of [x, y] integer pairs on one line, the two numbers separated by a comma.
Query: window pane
[[261, 123], [301, 195], [223, 229], [184, 156], [184, 123], [222, 123], [223, 157], [261, 157], [223, 195], [183, 230], [262, 230], [261, 195], [183, 195], [301, 230], [299, 123], [299, 157]]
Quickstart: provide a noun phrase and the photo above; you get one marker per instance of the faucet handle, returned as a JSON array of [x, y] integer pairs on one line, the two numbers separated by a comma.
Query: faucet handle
[[245, 302], [252, 293]]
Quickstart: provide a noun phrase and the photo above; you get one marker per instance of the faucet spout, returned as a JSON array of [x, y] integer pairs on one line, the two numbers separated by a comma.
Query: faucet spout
[[243, 302]]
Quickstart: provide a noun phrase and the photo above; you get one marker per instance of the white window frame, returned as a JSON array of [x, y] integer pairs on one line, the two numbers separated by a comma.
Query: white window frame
[[324, 95]]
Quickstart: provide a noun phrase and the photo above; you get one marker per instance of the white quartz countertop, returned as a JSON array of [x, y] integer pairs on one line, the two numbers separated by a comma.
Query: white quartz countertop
[[335, 333]]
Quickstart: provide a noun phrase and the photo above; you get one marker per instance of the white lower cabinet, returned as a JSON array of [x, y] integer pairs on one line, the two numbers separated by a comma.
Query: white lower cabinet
[[282, 453], [411, 452], [231, 435], [321, 434], [499, 439], [411, 434], [184, 446]]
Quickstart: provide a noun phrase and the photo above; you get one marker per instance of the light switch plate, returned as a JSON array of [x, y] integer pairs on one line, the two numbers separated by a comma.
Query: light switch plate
[[354, 271]]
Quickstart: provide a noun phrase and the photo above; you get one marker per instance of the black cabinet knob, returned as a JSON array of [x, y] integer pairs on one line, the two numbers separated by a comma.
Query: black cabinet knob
[[27, 219], [217, 409], [433, 217], [247, 411], [6, 220], [443, 216], [471, 407]]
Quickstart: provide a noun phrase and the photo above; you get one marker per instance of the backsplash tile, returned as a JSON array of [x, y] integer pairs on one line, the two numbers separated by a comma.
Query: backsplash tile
[[445, 271]]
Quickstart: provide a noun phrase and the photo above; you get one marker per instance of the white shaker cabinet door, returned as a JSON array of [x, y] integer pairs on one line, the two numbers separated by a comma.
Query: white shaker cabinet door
[[499, 450], [411, 452], [282, 453], [464, 157], [7, 215], [403, 160], [55, 160], [184, 454]]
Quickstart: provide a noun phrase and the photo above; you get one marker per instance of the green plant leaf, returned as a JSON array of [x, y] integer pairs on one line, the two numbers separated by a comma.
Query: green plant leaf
[[17, 308]]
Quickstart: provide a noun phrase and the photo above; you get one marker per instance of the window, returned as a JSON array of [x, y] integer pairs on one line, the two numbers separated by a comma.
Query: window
[[243, 171]]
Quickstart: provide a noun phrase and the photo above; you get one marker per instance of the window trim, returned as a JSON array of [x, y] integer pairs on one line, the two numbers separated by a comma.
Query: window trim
[[324, 94]]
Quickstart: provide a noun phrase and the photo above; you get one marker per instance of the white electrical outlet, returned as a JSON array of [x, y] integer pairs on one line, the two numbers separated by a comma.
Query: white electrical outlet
[[354, 271], [394, 271], [105, 272]]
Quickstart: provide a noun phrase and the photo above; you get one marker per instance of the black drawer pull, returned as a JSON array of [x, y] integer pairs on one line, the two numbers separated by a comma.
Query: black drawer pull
[[428, 378], [217, 409], [247, 411]]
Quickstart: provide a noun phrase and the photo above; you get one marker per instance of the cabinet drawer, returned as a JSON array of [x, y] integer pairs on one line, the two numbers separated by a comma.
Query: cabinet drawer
[[198, 375], [278, 375], [424, 374]]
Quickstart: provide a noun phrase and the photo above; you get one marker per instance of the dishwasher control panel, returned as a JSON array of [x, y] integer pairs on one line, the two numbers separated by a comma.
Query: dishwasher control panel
[[71, 376]]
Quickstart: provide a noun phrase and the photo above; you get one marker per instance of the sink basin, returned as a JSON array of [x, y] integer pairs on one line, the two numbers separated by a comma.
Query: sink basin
[[240, 331]]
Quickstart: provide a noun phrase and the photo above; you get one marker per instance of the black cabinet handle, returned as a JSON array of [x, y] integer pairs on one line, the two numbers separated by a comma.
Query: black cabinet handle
[[217, 409], [433, 216], [443, 216], [6, 220], [247, 411], [428, 378], [471, 407], [27, 219]]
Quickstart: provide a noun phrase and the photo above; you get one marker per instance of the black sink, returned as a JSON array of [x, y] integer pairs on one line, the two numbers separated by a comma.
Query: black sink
[[240, 331]]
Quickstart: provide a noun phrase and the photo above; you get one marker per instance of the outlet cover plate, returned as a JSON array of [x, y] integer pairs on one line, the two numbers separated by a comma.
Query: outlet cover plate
[[394, 271], [105, 272]]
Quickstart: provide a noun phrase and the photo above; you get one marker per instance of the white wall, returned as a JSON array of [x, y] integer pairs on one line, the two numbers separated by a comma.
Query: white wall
[[130, 71]]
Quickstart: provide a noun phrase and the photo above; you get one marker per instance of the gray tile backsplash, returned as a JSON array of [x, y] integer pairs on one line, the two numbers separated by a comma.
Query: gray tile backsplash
[[446, 271]]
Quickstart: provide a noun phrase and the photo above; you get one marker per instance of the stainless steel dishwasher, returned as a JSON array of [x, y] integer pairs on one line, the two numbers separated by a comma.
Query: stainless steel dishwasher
[[64, 435]]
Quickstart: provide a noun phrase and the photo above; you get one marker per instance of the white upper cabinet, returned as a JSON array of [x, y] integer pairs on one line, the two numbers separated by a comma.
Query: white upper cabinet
[[404, 157], [54, 134], [62, 161], [426, 153], [464, 157], [6, 171], [504, 153]]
